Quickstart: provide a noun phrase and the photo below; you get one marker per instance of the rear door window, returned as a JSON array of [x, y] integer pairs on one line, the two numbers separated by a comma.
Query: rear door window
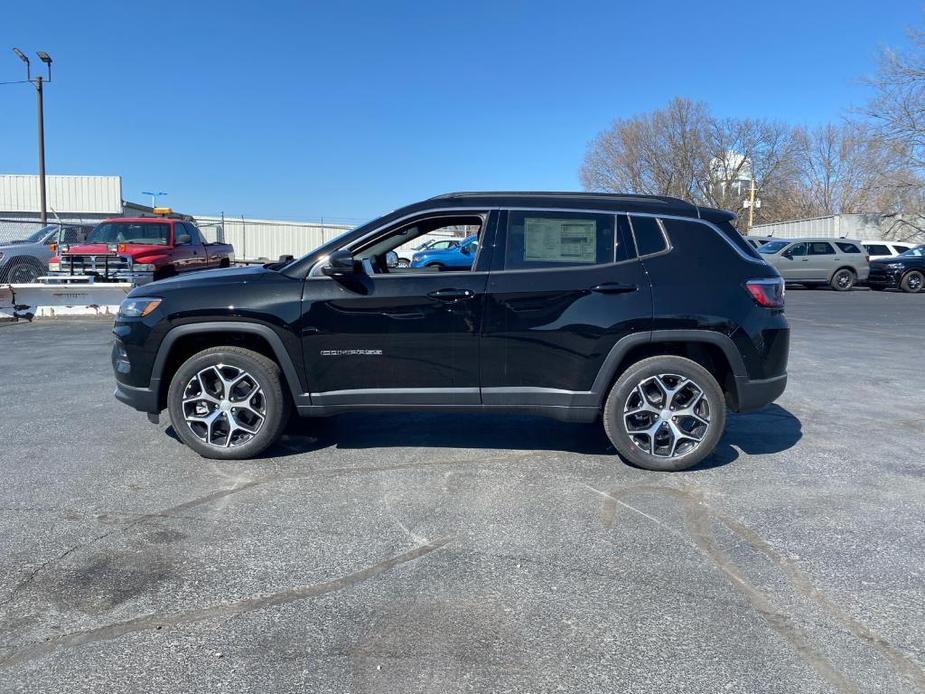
[[821, 248], [539, 239], [650, 238]]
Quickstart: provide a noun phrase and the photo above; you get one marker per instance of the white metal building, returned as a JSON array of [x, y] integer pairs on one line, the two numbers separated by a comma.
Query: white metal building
[[851, 226], [77, 197], [88, 199]]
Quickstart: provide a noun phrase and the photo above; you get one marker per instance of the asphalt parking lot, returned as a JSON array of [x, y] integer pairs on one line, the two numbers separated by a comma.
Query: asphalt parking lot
[[439, 553]]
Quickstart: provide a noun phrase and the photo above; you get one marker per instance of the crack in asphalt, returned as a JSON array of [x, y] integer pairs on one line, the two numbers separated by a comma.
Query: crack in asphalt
[[216, 495], [699, 518], [116, 630]]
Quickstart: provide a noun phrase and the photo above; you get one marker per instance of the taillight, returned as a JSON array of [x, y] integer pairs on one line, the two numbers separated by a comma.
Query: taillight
[[767, 292]]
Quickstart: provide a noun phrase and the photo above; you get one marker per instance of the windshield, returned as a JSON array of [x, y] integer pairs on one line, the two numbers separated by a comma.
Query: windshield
[[39, 235], [772, 247], [155, 233], [917, 252]]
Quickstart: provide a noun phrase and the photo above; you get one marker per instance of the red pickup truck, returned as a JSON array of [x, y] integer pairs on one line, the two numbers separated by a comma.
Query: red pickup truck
[[140, 250]]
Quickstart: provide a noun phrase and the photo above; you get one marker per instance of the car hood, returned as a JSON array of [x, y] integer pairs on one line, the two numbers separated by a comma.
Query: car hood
[[203, 278], [883, 262]]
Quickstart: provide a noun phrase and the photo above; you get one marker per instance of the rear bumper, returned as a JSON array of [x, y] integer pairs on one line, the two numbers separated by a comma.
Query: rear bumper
[[753, 394], [141, 399]]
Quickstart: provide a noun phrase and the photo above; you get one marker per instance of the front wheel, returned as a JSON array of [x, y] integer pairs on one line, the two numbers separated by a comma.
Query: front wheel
[[913, 282], [228, 403], [22, 272], [665, 413], [843, 280]]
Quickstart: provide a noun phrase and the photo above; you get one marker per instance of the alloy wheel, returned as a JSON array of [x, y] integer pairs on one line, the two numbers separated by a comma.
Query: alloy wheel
[[667, 415], [843, 279], [224, 406]]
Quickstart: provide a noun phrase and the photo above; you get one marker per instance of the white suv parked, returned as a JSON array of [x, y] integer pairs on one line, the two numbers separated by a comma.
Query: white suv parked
[[886, 249]]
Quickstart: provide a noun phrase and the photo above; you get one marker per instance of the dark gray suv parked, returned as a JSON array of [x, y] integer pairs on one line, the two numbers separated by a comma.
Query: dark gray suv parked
[[22, 261]]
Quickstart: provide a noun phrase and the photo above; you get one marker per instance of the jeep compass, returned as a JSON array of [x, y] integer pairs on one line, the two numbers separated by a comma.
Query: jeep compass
[[650, 314]]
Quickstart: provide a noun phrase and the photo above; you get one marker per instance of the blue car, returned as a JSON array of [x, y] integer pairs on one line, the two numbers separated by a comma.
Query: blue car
[[457, 258]]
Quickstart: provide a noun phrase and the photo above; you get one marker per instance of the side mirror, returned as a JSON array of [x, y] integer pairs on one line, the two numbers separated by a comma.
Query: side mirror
[[788, 255], [391, 259], [466, 249], [184, 239], [340, 264]]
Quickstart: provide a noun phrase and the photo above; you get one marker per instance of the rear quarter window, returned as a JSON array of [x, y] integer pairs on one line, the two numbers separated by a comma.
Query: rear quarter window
[[847, 247], [877, 249]]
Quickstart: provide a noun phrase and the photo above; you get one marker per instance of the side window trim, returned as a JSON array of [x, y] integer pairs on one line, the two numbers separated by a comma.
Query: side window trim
[[707, 223]]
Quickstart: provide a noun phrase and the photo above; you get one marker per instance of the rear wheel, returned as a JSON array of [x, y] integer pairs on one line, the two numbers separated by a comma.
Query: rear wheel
[[665, 413], [843, 280], [228, 403], [913, 282]]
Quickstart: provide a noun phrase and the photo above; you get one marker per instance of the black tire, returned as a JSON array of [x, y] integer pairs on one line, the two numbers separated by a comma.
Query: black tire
[[22, 271], [259, 371], [843, 279], [615, 420], [913, 282], [439, 266]]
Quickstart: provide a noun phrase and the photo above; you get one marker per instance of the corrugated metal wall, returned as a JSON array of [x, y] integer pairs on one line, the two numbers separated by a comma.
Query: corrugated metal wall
[[267, 238], [852, 226], [65, 194]]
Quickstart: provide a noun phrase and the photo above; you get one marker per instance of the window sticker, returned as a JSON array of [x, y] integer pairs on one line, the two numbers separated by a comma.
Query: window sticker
[[560, 240]]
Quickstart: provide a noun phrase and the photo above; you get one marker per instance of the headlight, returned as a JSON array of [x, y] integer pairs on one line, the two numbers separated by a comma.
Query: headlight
[[134, 308], [896, 266], [142, 267], [112, 247]]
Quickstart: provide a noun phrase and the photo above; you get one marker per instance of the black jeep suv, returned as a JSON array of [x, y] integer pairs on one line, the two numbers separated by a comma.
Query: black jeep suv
[[647, 312]]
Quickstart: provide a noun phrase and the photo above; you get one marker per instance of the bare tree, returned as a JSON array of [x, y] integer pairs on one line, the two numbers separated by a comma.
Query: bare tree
[[898, 104], [657, 153], [683, 151]]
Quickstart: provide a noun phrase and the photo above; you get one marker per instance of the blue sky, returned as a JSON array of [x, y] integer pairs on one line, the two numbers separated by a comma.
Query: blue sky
[[347, 110]]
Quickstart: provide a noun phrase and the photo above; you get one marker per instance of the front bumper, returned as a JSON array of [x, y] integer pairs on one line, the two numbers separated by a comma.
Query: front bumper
[[750, 394], [142, 399]]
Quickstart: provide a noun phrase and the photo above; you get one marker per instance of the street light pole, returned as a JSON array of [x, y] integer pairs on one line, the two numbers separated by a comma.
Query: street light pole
[[41, 112], [38, 82]]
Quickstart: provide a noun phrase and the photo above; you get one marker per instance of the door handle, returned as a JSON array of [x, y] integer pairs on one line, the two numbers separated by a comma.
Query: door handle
[[451, 295], [614, 288]]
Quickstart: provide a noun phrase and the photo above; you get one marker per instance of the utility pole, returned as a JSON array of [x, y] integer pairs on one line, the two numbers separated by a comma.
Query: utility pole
[[38, 82]]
